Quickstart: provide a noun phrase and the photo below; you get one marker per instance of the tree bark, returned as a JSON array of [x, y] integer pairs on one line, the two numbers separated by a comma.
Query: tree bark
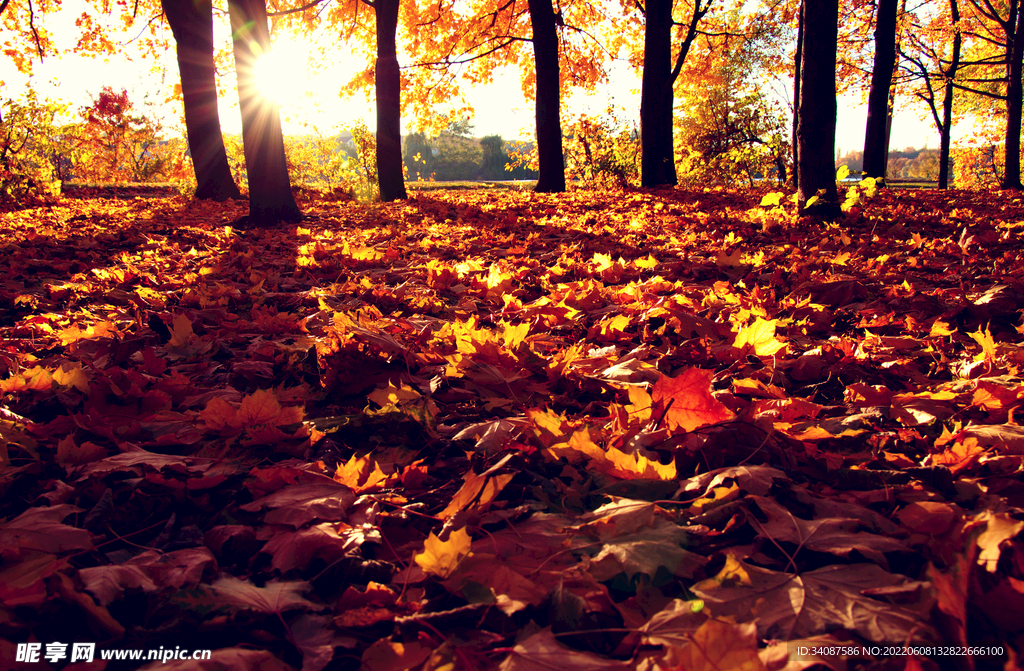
[[945, 131], [388, 83], [816, 108], [1014, 97], [876, 136], [191, 23], [657, 161], [796, 93], [549, 126], [270, 193]]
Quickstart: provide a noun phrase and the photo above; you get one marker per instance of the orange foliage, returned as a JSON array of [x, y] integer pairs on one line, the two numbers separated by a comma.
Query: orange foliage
[[605, 429]]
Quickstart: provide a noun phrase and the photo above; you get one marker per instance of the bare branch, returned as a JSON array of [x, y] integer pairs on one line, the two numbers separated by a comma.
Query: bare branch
[[440, 65], [35, 33], [294, 10]]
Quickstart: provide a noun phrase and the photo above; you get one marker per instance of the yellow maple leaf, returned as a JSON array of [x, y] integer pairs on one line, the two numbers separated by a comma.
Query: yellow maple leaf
[[646, 263], [441, 558], [360, 473], [939, 329], [632, 466], [988, 345], [73, 333], [579, 445], [640, 402], [513, 336], [72, 375], [392, 396], [760, 336]]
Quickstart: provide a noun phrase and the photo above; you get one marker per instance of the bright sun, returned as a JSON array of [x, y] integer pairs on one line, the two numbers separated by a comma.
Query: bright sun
[[282, 74]]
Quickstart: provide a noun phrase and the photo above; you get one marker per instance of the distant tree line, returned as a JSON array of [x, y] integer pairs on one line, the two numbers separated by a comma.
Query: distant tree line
[[454, 155], [908, 163]]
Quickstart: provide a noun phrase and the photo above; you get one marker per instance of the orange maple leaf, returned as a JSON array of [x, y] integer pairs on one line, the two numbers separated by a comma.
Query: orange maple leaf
[[472, 486], [688, 402], [260, 407], [36, 378], [360, 473]]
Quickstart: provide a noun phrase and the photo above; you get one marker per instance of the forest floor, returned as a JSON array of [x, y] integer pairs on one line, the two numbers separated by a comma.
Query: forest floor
[[595, 431]]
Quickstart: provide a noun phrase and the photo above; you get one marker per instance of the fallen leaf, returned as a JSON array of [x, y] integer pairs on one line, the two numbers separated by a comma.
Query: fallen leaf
[[687, 401], [441, 558]]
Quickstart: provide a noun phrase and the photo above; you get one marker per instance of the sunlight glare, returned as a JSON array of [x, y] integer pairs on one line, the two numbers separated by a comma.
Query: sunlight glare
[[283, 73]]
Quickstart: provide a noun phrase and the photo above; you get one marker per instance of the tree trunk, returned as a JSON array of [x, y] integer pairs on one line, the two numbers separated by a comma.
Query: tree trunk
[[191, 23], [1015, 64], [389, 110], [657, 161], [816, 108], [270, 193], [945, 132], [796, 93], [876, 144], [549, 126]]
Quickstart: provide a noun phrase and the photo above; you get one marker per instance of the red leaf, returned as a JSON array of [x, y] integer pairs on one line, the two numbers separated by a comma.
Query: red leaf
[[688, 402]]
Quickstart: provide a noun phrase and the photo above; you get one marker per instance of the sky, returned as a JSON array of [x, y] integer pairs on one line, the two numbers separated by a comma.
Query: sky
[[309, 99]]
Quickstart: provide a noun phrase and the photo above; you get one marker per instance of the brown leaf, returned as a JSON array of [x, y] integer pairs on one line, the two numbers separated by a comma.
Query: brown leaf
[[722, 646], [673, 625], [789, 606], [41, 529], [274, 597], [543, 652], [929, 517], [299, 505], [833, 535]]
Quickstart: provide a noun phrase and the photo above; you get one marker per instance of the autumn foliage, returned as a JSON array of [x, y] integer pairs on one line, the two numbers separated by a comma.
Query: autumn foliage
[[600, 430]]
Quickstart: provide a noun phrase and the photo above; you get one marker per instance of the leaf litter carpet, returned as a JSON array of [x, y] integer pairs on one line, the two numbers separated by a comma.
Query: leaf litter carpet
[[599, 430]]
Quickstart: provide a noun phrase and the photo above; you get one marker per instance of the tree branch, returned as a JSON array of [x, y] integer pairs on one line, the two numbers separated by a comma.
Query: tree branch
[[35, 33], [294, 10], [445, 63], [986, 94]]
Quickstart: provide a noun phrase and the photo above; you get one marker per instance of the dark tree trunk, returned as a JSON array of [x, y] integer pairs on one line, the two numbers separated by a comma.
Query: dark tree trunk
[[796, 93], [876, 135], [947, 102], [270, 193], [657, 161], [191, 23], [549, 127], [1014, 67], [816, 108], [389, 110]]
